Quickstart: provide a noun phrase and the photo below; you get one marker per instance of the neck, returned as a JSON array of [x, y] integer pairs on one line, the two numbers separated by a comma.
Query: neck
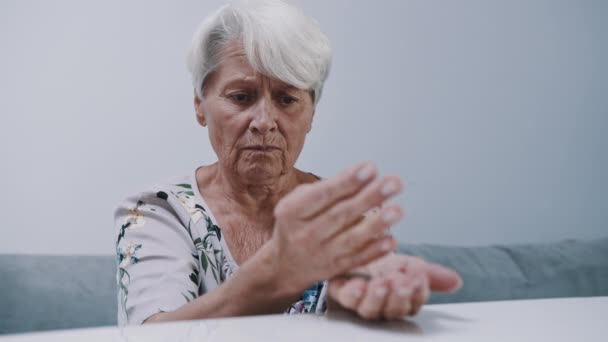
[[257, 199]]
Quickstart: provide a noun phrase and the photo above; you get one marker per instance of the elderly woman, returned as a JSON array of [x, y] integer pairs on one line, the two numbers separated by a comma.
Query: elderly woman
[[250, 233]]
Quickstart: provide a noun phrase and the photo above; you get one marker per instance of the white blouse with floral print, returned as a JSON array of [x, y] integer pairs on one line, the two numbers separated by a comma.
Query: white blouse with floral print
[[170, 250]]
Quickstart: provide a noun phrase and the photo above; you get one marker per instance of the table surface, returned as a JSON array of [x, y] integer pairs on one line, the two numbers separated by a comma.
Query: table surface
[[564, 319]]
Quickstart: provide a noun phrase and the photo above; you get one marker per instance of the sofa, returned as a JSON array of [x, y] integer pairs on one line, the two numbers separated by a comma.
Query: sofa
[[40, 292]]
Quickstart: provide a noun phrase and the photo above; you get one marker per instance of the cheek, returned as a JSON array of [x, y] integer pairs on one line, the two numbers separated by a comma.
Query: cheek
[[295, 133], [225, 132]]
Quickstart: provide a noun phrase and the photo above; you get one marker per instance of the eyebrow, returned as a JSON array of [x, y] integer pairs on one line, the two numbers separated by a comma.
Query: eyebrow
[[238, 82], [248, 80]]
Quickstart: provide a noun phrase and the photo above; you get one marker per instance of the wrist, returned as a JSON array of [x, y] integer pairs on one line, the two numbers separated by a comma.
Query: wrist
[[269, 278]]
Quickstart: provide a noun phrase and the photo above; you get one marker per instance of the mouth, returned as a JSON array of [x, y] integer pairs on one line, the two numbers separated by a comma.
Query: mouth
[[261, 148]]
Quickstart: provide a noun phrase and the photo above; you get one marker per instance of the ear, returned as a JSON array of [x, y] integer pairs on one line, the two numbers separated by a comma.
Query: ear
[[198, 108]]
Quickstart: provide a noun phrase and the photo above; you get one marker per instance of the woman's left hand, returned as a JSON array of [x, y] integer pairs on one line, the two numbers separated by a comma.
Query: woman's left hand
[[398, 286]]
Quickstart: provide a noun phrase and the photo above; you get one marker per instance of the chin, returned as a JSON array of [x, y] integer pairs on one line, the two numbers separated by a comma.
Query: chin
[[262, 174], [261, 168]]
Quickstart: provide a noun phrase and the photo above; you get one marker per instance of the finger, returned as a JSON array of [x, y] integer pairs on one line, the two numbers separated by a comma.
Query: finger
[[404, 285], [420, 296], [399, 300], [442, 279], [308, 200], [372, 250], [412, 263], [374, 300], [368, 229], [347, 292], [347, 212]]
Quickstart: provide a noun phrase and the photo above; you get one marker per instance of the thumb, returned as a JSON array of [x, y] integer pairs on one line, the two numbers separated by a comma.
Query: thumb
[[443, 279]]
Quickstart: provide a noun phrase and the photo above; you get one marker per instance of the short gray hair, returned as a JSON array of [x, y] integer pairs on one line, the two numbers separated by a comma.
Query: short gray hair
[[279, 41]]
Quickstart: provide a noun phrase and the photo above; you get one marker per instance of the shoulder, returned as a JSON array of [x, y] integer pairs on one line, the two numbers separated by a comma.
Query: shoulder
[[305, 177], [173, 197]]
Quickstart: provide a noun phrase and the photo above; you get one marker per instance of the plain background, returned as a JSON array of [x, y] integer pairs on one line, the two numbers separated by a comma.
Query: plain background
[[494, 112]]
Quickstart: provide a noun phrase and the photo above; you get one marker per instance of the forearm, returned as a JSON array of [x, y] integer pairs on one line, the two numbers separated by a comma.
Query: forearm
[[254, 289]]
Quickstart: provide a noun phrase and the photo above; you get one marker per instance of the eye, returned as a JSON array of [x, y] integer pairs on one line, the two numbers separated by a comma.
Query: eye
[[241, 98], [286, 100]]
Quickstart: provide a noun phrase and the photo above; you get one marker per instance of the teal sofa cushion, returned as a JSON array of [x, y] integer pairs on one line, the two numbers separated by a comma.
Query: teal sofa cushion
[[56, 292], [565, 269]]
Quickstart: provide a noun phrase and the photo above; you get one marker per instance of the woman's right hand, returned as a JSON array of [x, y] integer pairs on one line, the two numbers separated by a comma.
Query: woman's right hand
[[319, 232]]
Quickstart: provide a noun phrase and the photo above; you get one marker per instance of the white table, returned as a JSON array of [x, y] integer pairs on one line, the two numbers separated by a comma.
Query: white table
[[569, 319]]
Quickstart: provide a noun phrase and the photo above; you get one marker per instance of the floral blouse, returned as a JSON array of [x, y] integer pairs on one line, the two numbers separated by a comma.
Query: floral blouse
[[170, 250]]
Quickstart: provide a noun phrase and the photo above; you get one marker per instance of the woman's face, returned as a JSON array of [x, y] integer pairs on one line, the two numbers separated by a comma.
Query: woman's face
[[257, 126]]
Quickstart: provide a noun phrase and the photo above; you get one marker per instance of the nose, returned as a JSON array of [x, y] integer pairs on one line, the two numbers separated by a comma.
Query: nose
[[264, 118]]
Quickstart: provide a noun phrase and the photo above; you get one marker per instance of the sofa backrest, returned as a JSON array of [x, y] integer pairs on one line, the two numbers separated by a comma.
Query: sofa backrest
[[564, 269], [56, 292], [61, 292]]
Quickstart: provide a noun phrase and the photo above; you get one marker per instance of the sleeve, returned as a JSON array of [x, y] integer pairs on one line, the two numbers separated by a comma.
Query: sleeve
[[157, 262]]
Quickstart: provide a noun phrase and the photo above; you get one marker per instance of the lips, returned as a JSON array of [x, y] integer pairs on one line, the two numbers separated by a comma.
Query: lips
[[261, 148]]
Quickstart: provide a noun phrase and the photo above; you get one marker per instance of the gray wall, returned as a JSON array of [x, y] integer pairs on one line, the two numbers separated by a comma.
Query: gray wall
[[494, 112]]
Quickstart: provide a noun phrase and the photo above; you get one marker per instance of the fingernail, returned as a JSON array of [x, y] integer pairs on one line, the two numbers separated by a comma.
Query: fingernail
[[390, 216], [357, 293], [366, 172], [389, 188], [403, 292], [380, 292], [458, 286]]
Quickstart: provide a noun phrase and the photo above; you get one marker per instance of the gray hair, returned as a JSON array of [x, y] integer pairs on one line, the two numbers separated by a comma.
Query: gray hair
[[279, 41]]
